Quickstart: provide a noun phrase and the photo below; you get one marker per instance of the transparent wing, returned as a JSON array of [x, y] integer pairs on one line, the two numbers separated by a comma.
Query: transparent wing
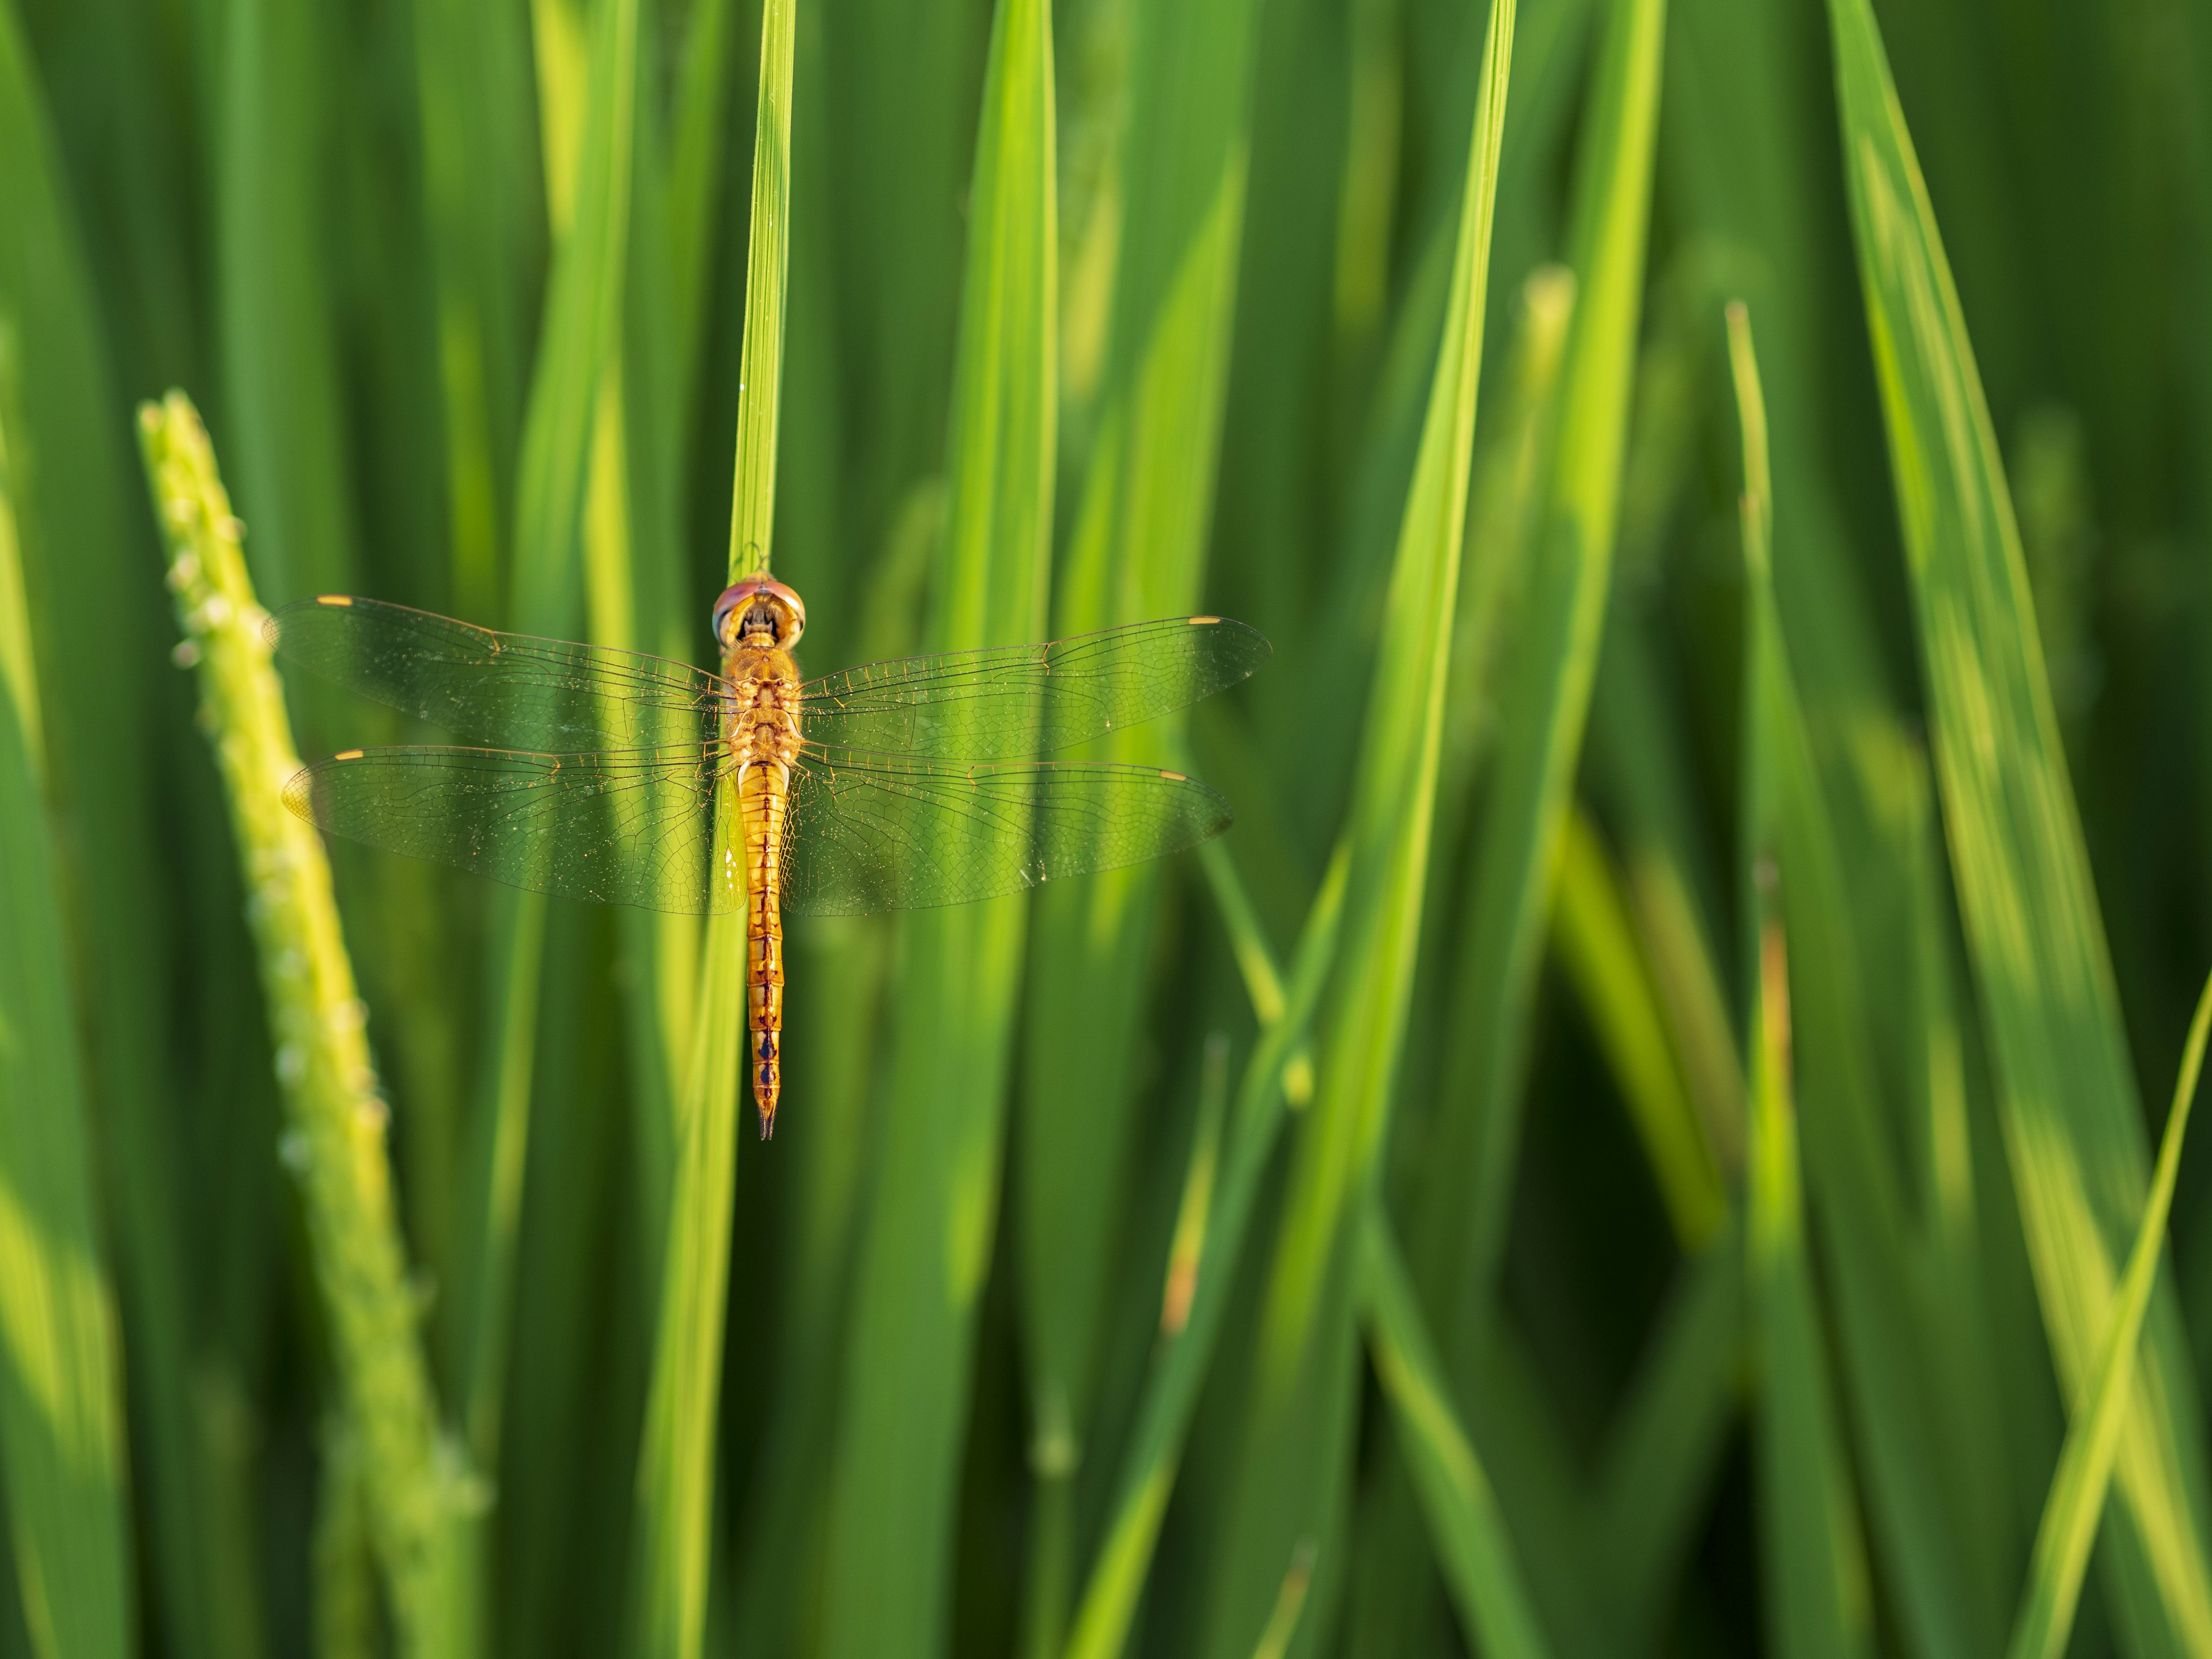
[[1032, 699], [610, 828], [870, 832], [510, 690]]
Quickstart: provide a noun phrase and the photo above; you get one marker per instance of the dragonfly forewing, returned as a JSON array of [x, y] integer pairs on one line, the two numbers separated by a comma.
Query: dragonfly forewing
[[513, 691], [1023, 701]]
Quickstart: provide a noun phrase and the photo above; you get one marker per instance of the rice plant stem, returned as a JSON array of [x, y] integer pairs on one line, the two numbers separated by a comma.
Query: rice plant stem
[[767, 260]]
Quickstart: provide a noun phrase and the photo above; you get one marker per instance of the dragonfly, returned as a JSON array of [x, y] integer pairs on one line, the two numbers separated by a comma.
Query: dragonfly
[[893, 786]]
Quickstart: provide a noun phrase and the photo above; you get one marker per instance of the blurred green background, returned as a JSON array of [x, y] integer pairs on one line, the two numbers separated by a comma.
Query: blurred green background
[[1629, 1147]]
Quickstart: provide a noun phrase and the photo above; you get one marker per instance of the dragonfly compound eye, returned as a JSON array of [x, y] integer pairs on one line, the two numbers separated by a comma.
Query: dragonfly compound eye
[[760, 611]]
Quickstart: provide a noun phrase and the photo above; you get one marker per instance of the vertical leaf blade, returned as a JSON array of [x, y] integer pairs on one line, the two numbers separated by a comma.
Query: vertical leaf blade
[[2067, 1093], [927, 1243]]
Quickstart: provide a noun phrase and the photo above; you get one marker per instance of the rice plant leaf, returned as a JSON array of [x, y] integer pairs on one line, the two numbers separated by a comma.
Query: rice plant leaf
[[335, 1138], [62, 1443], [1139, 551], [1464, 1520], [2085, 1465], [1819, 1598], [100, 634], [1597, 946], [1460, 1207], [1292, 1460], [1108, 1608], [676, 1462], [579, 341], [927, 1243], [1916, 1408], [1665, 1442], [2067, 1093], [485, 234], [282, 396], [768, 261], [1811, 1544]]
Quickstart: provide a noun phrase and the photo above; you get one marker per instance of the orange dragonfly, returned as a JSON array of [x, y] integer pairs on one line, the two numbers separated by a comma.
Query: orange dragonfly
[[893, 786]]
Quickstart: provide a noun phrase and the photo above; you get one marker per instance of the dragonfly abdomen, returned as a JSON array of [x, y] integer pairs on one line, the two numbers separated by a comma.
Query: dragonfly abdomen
[[763, 740]]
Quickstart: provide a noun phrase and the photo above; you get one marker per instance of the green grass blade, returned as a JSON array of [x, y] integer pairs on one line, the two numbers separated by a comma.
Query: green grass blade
[[1915, 1394], [335, 1139], [1295, 1445], [700, 120], [927, 1244], [2085, 1466], [767, 263], [2067, 1093], [676, 1459], [1597, 946], [580, 341], [281, 394], [1665, 1443], [473, 88], [1109, 1607], [1464, 1521], [1815, 1558], [102, 635], [676, 1463], [1811, 1544], [1458, 1236], [62, 1444], [1139, 551]]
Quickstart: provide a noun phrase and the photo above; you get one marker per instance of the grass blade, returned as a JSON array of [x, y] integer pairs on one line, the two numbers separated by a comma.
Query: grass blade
[[1139, 551], [335, 1139], [61, 1381], [280, 368], [1547, 686], [1464, 1521], [767, 264], [2068, 1097], [101, 634], [582, 332], [1812, 1549], [473, 88], [927, 1245], [2085, 1466], [1597, 946], [1295, 1447], [1809, 1530], [1109, 1607], [676, 1463]]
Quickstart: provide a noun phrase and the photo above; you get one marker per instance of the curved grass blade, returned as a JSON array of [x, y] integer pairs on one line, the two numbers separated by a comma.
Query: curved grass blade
[[335, 1141], [2067, 1093], [2085, 1465], [1598, 948], [1464, 1520], [62, 1443]]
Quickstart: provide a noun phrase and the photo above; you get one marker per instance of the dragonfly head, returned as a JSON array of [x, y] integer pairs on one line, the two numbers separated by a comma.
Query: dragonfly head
[[760, 613]]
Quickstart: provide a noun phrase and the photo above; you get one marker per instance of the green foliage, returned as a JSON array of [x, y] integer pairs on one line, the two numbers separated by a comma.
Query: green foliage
[[1631, 1146]]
